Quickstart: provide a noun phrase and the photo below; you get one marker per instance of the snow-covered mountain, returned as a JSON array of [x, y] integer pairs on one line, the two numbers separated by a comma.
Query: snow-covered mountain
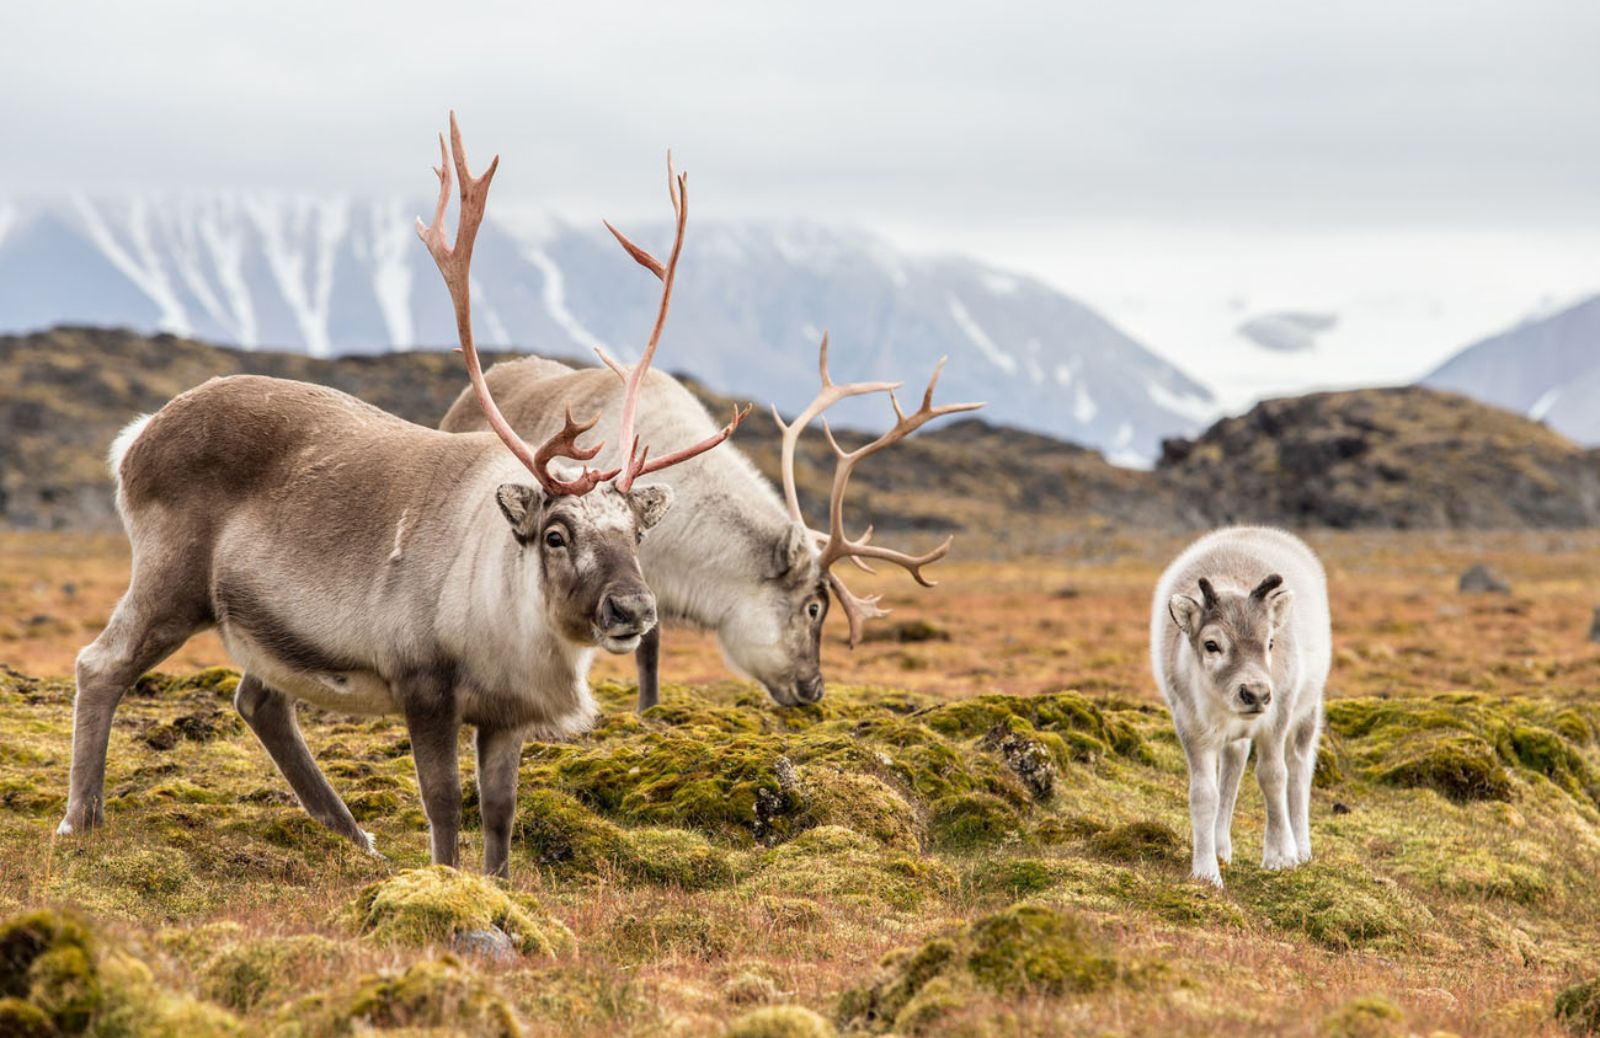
[[1547, 368], [337, 275]]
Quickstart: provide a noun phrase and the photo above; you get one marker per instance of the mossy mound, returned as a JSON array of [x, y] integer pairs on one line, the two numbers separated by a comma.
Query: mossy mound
[[1371, 1016], [781, 1022], [1137, 842], [1083, 729], [246, 974], [838, 864], [438, 904], [1028, 949], [56, 979], [866, 804], [1578, 1008], [1336, 903], [558, 832], [218, 681], [440, 996], [969, 820], [1466, 746]]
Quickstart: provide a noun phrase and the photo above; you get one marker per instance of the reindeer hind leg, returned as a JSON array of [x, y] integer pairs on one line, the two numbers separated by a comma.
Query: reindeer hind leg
[[270, 714], [146, 627]]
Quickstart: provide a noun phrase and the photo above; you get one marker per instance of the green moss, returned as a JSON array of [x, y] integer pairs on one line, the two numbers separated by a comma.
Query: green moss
[[833, 862], [1085, 728], [675, 857], [828, 795], [1028, 949], [553, 828], [781, 1022], [433, 905], [19, 1019], [1578, 1008], [242, 976], [442, 995], [1138, 842], [1371, 1016], [1337, 903], [1013, 877], [1034, 948], [969, 820], [1462, 767]]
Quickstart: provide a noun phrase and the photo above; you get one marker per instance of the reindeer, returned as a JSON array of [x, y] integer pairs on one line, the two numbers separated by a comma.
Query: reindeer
[[731, 557], [368, 565], [1245, 663]]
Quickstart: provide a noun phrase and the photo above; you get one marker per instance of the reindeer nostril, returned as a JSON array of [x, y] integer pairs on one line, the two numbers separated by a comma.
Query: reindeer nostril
[[1247, 697], [614, 613]]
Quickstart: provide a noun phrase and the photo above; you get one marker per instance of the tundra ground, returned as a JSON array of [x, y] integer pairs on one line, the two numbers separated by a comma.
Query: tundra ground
[[981, 830]]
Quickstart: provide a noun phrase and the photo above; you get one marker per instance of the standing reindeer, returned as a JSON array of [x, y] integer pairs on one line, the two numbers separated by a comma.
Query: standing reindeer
[[1244, 663], [731, 557], [368, 565]]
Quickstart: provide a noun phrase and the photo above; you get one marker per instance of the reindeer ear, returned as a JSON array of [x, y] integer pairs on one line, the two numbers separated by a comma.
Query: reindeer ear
[[650, 503], [1278, 603], [790, 553], [1185, 613], [520, 505]]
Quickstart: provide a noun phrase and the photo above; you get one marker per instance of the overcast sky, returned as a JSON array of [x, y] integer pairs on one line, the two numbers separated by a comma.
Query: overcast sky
[[1116, 149]]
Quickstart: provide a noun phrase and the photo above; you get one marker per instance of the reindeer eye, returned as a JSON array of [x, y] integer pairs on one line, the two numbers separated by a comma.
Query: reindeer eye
[[1212, 646], [555, 539], [814, 610], [1269, 644]]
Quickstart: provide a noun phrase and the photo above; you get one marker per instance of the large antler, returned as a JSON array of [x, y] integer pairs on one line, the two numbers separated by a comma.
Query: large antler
[[835, 543], [636, 464], [455, 262]]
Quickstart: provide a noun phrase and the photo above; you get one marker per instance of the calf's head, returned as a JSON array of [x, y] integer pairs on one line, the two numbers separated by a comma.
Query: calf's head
[[588, 553], [1233, 635], [776, 637]]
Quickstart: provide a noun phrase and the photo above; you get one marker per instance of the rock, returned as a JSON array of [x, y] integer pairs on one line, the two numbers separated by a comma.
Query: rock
[[1027, 758], [492, 943], [1594, 626], [1481, 579]]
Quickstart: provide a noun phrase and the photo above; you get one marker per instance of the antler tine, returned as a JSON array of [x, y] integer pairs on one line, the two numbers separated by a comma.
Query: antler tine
[[455, 263], [857, 610], [637, 464], [830, 394]]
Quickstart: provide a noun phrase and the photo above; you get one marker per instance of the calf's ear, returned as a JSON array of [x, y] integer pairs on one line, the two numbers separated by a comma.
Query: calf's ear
[[1185, 613], [520, 505], [650, 503], [1278, 603]]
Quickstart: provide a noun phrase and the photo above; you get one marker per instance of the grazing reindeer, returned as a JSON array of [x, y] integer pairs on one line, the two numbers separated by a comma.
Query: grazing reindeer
[[730, 557], [372, 566], [1237, 666]]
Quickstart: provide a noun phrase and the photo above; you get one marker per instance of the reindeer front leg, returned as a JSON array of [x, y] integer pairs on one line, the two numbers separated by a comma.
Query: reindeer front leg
[[499, 757], [1204, 800], [432, 721], [1278, 850]]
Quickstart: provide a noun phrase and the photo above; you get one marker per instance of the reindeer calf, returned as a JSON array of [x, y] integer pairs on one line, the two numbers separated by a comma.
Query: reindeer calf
[[1240, 640]]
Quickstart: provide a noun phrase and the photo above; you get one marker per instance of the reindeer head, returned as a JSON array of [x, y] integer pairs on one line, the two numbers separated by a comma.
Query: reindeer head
[[778, 639], [587, 558], [786, 640], [1233, 635], [587, 543]]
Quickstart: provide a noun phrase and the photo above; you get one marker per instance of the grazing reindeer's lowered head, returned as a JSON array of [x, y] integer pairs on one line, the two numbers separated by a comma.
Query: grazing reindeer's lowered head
[[1232, 635], [586, 542], [834, 544]]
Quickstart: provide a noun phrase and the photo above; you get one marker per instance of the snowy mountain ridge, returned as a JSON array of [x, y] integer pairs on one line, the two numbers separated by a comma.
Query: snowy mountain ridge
[[333, 275]]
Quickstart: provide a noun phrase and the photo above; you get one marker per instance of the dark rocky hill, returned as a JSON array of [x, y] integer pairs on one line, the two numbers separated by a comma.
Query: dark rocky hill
[[1391, 458], [1400, 458], [65, 393]]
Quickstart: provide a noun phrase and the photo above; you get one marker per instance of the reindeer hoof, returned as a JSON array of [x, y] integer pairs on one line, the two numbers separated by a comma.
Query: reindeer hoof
[[1212, 878]]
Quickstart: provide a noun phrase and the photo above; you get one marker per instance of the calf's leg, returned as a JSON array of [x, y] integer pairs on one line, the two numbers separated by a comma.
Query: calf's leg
[[1203, 803], [1278, 849], [1230, 770]]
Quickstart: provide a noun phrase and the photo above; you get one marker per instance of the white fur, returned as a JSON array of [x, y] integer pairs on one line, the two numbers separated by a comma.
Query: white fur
[[1216, 738], [119, 450]]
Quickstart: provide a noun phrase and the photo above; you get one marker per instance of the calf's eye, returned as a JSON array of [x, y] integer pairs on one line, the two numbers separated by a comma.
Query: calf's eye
[[1212, 646], [814, 610], [555, 539]]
